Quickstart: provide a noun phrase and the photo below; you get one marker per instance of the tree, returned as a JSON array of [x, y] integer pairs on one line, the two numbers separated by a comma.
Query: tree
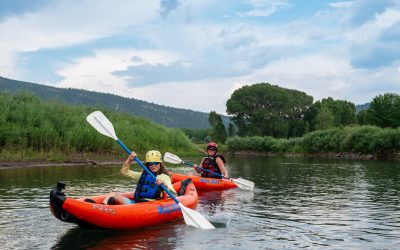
[[266, 110], [362, 118], [231, 130], [324, 119], [218, 132], [342, 112], [384, 111]]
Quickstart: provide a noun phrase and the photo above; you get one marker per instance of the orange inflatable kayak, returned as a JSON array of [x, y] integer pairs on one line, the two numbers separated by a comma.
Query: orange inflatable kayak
[[205, 184], [121, 217]]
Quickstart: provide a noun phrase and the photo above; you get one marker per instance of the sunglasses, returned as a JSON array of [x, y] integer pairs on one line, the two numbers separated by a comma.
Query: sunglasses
[[212, 149], [152, 163]]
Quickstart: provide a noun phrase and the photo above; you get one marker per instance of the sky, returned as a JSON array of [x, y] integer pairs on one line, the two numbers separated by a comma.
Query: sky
[[194, 54]]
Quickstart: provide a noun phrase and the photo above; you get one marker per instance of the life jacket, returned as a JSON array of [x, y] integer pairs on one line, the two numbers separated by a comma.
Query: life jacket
[[210, 164], [146, 188]]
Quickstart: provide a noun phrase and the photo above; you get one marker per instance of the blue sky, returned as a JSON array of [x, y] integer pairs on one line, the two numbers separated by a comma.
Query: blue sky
[[194, 54]]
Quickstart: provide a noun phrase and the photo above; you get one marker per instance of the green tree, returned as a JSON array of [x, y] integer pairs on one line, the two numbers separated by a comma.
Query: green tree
[[384, 111], [231, 130], [362, 117], [218, 132], [324, 119], [266, 110], [343, 113]]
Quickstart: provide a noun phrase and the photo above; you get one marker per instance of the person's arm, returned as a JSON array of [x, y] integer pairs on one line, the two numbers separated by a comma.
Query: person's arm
[[166, 180], [195, 166], [129, 173], [221, 166]]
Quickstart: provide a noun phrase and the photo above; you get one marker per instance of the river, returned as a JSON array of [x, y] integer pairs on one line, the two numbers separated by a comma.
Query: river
[[297, 203]]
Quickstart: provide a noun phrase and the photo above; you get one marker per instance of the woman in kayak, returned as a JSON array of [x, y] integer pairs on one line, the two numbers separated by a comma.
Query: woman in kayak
[[213, 163], [146, 188]]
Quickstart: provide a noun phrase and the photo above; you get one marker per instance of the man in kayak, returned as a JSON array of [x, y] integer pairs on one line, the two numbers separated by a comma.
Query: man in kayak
[[213, 163], [146, 189]]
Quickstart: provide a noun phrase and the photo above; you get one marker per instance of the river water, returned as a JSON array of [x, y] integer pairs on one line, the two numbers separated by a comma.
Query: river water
[[297, 203]]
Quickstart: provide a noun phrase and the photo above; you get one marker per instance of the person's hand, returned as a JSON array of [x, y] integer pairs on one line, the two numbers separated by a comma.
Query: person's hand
[[195, 166], [159, 182], [131, 157]]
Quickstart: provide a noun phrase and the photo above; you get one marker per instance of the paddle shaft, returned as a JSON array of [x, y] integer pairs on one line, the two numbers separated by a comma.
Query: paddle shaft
[[191, 164], [147, 170]]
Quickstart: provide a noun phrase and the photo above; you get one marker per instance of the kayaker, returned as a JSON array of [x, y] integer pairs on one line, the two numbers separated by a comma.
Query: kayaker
[[146, 188], [213, 162]]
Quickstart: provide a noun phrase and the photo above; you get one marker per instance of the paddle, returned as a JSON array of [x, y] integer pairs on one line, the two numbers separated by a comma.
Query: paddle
[[100, 122], [241, 183]]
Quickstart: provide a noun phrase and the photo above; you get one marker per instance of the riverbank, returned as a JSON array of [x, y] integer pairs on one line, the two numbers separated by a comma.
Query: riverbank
[[355, 156], [25, 164], [59, 159]]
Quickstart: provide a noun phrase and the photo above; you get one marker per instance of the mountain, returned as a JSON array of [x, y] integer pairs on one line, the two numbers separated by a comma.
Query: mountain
[[168, 116], [360, 107]]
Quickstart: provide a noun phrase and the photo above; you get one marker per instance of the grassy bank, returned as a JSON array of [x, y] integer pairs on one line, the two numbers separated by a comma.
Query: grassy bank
[[33, 129], [364, 140]]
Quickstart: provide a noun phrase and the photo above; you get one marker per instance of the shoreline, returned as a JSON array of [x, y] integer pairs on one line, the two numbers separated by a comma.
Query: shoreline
[[328, 155], [72, 163]]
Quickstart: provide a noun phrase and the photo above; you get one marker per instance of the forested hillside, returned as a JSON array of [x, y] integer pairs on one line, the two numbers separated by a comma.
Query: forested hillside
[[168, 116]]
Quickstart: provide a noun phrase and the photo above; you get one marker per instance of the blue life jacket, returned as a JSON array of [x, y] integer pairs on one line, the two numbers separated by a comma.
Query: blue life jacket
[[146, 188], [210, 164]]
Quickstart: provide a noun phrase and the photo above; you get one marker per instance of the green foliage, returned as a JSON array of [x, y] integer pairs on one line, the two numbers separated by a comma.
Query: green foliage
[[363, 139], [329, 113], [266, 110], [384, 111], [362, 117], [324, 119], [28, 124], [231, 130], [218, 132], [198, 135]]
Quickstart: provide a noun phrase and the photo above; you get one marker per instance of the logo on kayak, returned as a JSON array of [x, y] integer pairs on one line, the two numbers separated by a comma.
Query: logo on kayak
[[209, 181], [167, 209], [104, 209]]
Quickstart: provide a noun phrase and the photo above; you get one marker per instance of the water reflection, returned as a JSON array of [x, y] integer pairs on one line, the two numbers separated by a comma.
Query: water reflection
[[162, 237]]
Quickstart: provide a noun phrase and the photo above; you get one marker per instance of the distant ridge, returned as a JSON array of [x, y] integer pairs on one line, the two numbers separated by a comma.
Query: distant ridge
[[168, 116]]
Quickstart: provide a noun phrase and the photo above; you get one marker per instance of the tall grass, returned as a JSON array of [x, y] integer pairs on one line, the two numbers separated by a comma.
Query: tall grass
[[350, 139], [30, 126]]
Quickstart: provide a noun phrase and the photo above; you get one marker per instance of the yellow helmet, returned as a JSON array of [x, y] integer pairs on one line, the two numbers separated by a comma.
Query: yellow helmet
[[153, 156]]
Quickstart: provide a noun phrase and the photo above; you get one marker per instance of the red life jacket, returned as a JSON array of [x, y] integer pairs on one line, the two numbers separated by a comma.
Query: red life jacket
[[210, 164]]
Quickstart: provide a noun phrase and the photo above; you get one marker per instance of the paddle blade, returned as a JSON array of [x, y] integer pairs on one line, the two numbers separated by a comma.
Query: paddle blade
[[194, 218], [100, 122], [244, 184], [171, 158]]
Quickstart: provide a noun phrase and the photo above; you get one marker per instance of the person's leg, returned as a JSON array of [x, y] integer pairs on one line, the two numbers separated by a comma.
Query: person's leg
[[116, 199]]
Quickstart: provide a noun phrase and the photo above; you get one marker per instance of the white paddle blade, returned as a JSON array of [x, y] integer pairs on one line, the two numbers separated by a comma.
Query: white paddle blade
[[244, 184], [171, 158], [100, 122], [194, 218]]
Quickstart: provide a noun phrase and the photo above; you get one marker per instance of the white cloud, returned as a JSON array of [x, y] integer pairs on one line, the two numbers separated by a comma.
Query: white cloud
[[341, 5], [264, 8], [374, 28], [205, 96], [95, 72], [68, 23]]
